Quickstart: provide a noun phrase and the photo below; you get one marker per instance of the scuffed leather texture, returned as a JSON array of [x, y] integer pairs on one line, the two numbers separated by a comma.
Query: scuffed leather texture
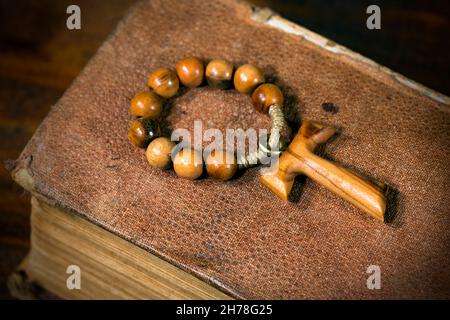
[[239, 236]]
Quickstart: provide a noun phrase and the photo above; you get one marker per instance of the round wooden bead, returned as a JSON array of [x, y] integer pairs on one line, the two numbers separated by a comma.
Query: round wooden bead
[[219, 73], [164, 82], [158, 152], [266, 95], [247, 77], [190, 72], [146, 104], [188, 164], [221, 165], [142, 131]]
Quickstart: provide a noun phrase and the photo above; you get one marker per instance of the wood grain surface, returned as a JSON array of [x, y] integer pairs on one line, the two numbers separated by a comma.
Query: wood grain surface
[[40, 57]]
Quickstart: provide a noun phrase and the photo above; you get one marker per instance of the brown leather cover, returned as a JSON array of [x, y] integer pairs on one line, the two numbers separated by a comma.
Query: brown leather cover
[[238, 235]]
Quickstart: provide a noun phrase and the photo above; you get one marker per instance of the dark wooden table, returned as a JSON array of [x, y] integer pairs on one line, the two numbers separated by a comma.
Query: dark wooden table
[[39, 58]]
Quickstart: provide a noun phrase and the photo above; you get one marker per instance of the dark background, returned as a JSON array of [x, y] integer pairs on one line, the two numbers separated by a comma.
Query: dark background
[[39, 58]]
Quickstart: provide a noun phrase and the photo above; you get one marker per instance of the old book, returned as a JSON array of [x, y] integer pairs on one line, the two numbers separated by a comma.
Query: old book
[[237, 239], [110, 267]]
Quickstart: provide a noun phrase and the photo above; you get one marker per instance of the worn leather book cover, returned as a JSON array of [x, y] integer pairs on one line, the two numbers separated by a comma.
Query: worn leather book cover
[[238, 236]]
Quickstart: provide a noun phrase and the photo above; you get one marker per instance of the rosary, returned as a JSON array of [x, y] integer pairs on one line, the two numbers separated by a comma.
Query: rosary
[[291, 160]]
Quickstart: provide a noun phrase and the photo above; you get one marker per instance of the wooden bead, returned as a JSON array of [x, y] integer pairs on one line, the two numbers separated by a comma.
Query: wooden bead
[[164, 81], [142, 131], [221, 165], [190, 72], [158, 152], [188, 164], [247, 77], [219, 73], [146, 104], [266, 95]]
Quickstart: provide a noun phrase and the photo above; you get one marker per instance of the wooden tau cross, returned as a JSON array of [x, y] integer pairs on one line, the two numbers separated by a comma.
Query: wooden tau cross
[[299, 158]]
